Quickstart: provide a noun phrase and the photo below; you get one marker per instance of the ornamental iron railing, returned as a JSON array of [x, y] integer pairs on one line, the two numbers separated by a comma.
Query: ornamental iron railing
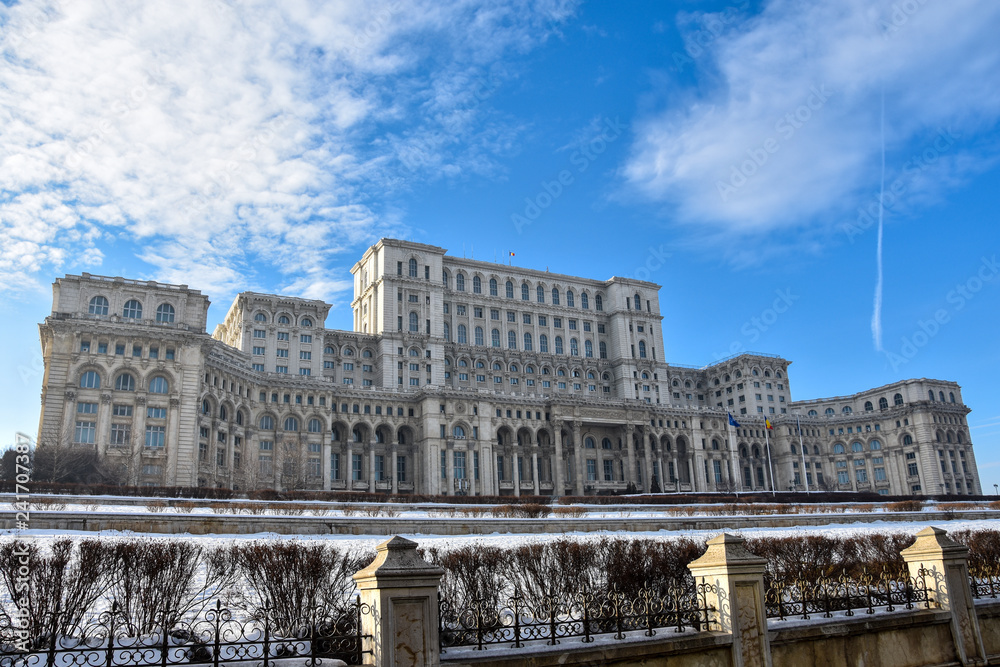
[[220, 636], [984, 579], [887, 590], [683, 605]]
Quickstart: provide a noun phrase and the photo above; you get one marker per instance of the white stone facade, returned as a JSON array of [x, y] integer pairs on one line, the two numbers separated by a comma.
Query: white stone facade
[[463, 376]]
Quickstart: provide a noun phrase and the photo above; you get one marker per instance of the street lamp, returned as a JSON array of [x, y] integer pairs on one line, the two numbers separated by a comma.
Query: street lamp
[[995, 492]]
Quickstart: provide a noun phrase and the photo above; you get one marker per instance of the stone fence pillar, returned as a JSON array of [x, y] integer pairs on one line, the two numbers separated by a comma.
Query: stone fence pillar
[[402, 590], [736, 579], [945, 563]]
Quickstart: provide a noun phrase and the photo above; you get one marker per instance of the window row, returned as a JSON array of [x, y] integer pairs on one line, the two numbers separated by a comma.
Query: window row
[[525, 291], [282, 319], [124, 382], [132, 309]]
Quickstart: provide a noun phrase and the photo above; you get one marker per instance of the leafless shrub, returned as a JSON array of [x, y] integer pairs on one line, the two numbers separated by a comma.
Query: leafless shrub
[[319, 511], [62, 585], [994, 505], [390, 511], [156, 506], [221, 508], [188, 506], [905, 506], [348, 510], [51, 504], [570, 511]]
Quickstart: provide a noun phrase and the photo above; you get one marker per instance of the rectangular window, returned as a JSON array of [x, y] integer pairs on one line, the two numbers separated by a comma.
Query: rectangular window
[[85, 432], [543, 321], [118, 410], [282, 335], [348, 366], [379, 467], [154, 353], [500, 471], [155, 436], [477, 312], [557, 322], [90, 408], [356, 461], [121, 435], [120, 350], [137, 350], [494, 314], [305, 355], [259, 350], [861, 475], [281, 369], [257, 367], [305, 371], [591, 470], [259, 333], [458, 462], [306, 338], [609, 470], [156, 413], [400, 468], [282, 353]]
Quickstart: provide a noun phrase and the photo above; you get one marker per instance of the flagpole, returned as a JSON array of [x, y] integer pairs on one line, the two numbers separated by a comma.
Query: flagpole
[[805, 476], [767, 448]]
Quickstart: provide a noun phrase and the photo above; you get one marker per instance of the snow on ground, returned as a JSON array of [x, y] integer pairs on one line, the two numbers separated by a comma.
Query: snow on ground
[[507, 540]]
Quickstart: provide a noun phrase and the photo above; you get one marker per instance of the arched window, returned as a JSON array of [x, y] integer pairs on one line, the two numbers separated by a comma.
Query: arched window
[[883, 404], [267, 423], [511, 340], [493, 287], [90, 380], [570, 301], [606, 443], [477, 284], [125, 382], [602, 349], [413, 268], [260, 317], [642, 349], [206, 407], [479, 336], [857, 447], [574, 348], [379, 437], [513, 368], [813, 413], [414, 352], [941, 396], [638, 302], [847, 410], [460, 282], [306, 322], [367, 354], [794, 450], [930, 394], [132, 310], [559, 345], [868, 406], [495, 337], [414, 324], [588, 348], [584, 301], [462, 334], [284, 320], [239, 418], [458, 432], [98, 306], [875, 445], [525, 292], [497, 366], [555, 296], [897, 399], [356, 434], [165, 313], [599, 302], [159, 385], [543, 343], [589, 443], [509, 288], [527, 341], [540, 294], [328, 350], [348, 351], [291, 424], [838, 448], [948, 437], [529, 369], [447, 332], [951, 396], [444, 277], [315, 426]]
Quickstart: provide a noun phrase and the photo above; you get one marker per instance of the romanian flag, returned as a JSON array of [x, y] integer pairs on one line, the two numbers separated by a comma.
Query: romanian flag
[[768, 424], [511, 254]]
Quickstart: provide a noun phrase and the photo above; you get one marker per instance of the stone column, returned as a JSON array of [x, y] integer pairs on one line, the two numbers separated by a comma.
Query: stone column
[[393, 469], [470, 467], [626, 436], [449, 468], [647, 472], [558, 483], [515, 470], [400, 591], [578, 453], [348, 465], [735, 579], [372, 487], [534, 467], [327, 455], [945, 570]]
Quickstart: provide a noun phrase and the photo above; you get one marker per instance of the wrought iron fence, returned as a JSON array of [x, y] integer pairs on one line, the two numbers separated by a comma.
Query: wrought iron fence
[[681, 606], [887, 590], [984, 579], [218, 636]]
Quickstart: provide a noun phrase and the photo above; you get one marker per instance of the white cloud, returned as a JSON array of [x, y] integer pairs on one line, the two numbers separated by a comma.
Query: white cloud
[[937, 63], [227, 137]]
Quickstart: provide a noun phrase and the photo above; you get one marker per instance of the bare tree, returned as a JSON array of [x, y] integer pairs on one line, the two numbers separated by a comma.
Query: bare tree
[[248, 475], [293, 467], [66, 462]]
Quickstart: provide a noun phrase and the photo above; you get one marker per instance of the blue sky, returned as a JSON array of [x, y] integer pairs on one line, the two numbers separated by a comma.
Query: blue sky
[[722, 150]]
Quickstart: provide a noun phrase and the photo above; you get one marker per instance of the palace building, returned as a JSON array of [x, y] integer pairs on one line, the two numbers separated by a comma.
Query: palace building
[[462, 376]]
